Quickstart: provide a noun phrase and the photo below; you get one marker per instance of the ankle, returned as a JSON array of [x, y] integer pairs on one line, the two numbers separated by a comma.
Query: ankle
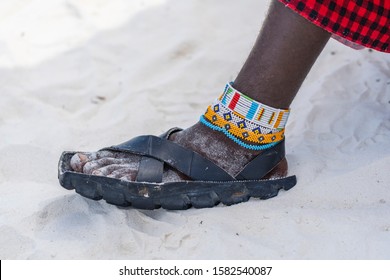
[[248, 123]]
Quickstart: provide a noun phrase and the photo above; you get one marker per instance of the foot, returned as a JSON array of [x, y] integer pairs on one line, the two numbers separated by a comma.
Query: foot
[[209, 143]]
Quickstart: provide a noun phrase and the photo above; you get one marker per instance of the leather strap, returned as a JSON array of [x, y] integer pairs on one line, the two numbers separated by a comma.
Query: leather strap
[[159, 150], [263, 163], [150, 170], [186, 161]]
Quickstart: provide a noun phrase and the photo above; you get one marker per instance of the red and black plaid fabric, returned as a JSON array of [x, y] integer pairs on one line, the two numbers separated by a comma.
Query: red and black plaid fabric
[[366, 23]]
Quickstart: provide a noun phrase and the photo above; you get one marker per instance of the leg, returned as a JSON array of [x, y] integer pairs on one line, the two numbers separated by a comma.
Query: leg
[[283, 54], [278, 64]]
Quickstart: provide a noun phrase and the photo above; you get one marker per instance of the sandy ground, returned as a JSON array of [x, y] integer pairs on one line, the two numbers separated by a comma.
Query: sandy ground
[[81, 75]]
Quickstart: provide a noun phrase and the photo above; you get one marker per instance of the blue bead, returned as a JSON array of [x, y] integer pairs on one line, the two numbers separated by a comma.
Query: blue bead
[[235, 139]]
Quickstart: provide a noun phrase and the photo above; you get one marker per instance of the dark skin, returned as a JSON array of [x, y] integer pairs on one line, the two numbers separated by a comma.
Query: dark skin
[[283, 54]]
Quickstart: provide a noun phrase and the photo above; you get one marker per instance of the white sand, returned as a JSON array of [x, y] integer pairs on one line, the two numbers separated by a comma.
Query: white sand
[[81, 75]]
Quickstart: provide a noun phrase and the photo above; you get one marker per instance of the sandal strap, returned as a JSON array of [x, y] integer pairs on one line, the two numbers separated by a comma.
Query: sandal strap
[[151, 169], [263, 163], [186, 161], [159, 150]]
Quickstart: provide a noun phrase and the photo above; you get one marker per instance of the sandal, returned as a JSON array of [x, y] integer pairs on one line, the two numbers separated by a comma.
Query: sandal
[[209, 184]]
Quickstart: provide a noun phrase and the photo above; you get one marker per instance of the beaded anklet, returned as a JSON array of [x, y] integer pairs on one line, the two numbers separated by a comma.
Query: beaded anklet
[[247, 122]]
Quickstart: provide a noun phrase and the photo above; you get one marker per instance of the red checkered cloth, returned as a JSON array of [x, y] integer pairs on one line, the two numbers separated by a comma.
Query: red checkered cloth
[[365, 22]]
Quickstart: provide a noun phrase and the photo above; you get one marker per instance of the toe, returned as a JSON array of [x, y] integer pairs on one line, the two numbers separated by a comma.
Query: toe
[[121, 172], [128, 174], [95, 165], [78, 161], [112, 170]]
